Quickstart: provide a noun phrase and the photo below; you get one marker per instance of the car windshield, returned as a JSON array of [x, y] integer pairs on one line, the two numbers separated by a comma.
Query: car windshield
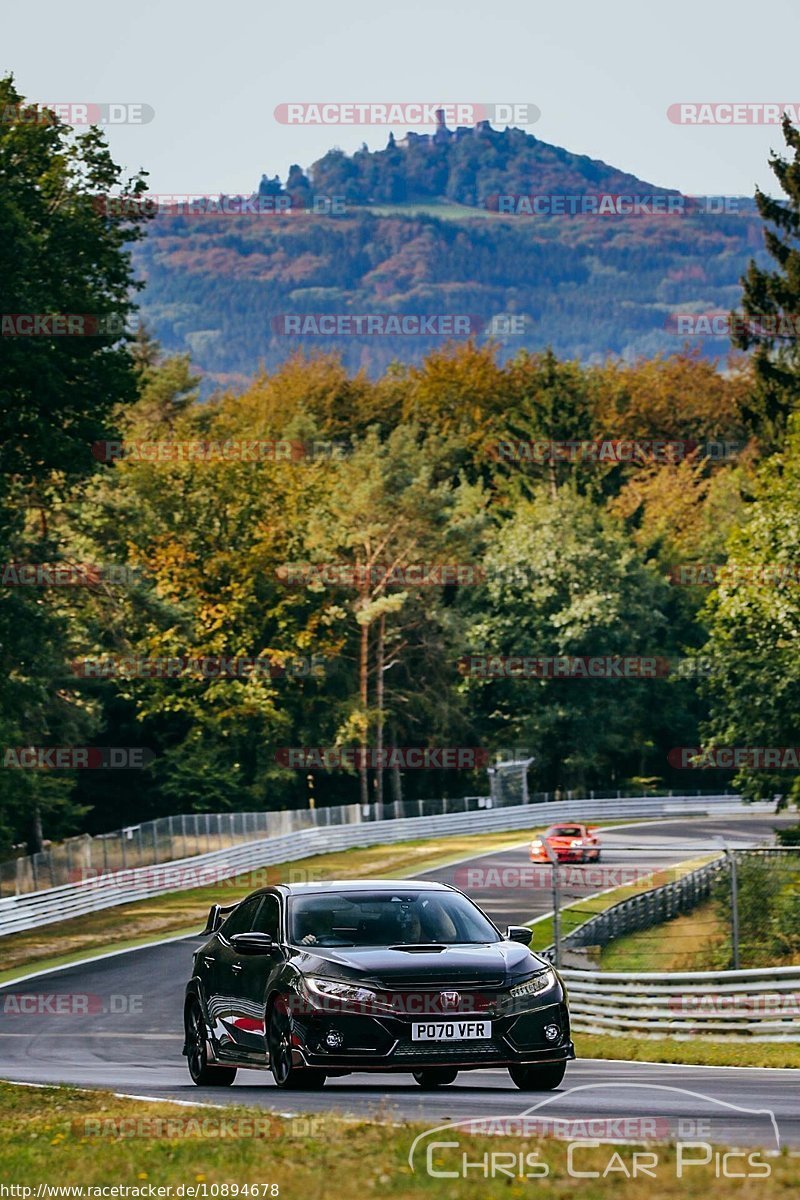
[[564, 831], [387, 918]]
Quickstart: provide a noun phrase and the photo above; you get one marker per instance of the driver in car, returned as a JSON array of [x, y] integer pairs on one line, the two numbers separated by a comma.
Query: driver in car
[[320, 927]]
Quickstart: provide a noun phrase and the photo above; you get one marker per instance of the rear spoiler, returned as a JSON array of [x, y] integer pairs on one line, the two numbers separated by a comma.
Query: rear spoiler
[[216, 915]]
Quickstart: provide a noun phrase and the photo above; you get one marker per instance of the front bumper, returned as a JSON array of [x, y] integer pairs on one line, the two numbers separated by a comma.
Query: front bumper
[[383, 1043], [567, 856]]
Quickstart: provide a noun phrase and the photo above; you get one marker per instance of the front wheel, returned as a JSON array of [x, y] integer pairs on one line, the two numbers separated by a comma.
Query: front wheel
[[202, 1073], [538, 1078], [434, 1077], [279, 1044]]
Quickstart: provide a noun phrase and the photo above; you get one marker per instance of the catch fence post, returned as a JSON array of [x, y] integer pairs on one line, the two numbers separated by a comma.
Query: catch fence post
[[556, 889]]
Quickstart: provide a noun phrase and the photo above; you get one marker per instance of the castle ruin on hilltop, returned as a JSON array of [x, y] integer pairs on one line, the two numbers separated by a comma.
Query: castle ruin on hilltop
[[442, 134]]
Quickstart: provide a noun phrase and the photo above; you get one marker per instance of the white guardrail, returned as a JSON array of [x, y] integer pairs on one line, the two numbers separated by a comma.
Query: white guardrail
[[753, 1005], [30, 910]]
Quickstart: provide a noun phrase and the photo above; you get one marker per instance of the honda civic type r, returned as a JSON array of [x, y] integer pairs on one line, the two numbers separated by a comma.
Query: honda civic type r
[[318, 980]]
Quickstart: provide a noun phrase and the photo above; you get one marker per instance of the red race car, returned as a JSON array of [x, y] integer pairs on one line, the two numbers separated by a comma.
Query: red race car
[[569, 843]]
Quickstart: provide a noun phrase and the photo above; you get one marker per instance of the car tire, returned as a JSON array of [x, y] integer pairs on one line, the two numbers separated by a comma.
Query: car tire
[[279, 1045], [434, 1077], [201, 1071], [542, 1078]]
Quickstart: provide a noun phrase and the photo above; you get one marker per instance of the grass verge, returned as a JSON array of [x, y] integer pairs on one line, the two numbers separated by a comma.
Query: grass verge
[[691, 941], [62, 1137], [695, 941], [690, 1051]]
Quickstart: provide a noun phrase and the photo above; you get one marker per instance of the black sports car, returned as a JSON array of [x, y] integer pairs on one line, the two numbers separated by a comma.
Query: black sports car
[[318, 980]]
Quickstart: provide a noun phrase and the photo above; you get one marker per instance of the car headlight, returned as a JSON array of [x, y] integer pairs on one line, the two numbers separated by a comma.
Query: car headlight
[[340, 995], [536, 844], [531, 987], [576, 842]]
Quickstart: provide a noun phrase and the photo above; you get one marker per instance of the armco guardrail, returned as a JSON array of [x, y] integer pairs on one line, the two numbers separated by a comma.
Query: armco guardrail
[[753, 1005], [166, 839], [121, 887]]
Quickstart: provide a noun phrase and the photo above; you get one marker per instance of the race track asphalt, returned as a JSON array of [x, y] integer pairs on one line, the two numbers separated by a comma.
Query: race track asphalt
[[121, 1028]]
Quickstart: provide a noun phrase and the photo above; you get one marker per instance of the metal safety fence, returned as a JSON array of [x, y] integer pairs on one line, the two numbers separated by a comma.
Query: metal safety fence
[[760, 1005], [166, 839], [98, 889]]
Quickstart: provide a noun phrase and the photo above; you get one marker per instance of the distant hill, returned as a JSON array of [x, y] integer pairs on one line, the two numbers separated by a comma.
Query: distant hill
[[467, 165], [419, 234]]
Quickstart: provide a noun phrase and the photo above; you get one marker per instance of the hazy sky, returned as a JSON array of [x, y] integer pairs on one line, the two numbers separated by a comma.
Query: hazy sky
[[603, 76]]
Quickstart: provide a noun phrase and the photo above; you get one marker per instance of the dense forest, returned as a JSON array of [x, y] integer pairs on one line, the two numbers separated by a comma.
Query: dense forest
[[219, 287]]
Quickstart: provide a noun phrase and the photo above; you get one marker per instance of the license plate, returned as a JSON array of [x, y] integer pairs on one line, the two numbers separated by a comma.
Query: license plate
[[450, 1031]]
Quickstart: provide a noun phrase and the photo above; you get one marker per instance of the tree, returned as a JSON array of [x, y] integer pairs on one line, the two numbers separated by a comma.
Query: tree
[[754, 628], [553, 404], [270, 187], [390, 505], [298, 187], [770, 322], [563, 580], [61, 252]]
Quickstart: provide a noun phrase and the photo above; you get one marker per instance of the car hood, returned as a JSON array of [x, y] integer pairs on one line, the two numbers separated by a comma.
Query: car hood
[[489, 965]]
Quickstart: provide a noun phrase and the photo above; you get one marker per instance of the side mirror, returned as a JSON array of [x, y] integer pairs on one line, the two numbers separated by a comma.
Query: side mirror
[[253, 943], [519, 933]]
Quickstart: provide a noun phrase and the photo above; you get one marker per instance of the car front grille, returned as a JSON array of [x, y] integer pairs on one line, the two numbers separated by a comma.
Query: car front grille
[[454, 1051], [424, 1004]]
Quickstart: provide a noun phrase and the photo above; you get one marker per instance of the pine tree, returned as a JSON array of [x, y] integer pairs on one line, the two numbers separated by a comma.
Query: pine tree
[[771, 302]]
